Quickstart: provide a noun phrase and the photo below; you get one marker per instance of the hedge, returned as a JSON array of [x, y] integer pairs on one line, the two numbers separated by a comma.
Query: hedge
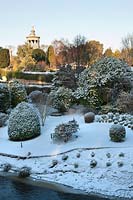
[[20, 75]]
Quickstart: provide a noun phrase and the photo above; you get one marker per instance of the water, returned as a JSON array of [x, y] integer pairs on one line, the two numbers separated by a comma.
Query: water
[[15, 190]]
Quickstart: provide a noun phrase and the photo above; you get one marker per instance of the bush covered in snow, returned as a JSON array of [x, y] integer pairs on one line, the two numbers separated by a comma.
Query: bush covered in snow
[[107, 75], [4, 97], [18, 92], [6, 167], [24, 172], [125, 102], [23, 123], [61, 98], [117, 133], [89, 117], [64, 131], [93, 163]]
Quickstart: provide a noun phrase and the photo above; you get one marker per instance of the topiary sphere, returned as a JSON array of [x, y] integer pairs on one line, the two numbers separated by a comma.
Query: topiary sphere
[[24, 123], [89, 117], [4, 97], [117, 133], [18, 93]]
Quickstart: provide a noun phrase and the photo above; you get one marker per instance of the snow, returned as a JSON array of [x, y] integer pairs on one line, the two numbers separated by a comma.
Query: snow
[[47, 72], [40, 86], [92, 137]]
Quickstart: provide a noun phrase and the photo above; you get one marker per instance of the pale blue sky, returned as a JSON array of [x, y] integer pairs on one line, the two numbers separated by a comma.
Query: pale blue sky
[[104, 20]]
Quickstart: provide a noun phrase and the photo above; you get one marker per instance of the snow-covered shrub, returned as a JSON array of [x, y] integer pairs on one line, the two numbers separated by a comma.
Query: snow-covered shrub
[[6, 167], [23, 123], [121, 154], [109, 108], [18, 92], [64, 131], [54, 163], [40, 100], [108, 164], [89, 117], [117, 133], [5, 100], [24, 172], [120, 164], [108, 155], [76, 165], [107, 73], [64, 157], [61, 98], [78, 155], [125, 102], [93, 163], [3, 119], [92, 154], [87, 96]]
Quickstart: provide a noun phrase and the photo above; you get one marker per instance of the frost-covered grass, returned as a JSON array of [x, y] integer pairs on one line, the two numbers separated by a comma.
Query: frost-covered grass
[[92, 143]]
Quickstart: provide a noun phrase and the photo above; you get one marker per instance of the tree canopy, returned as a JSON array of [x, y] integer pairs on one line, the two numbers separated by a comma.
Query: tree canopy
[[38, 55], [51, 56]]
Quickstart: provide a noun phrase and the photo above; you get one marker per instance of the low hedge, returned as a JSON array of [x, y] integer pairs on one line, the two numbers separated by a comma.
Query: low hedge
[[20, 75]]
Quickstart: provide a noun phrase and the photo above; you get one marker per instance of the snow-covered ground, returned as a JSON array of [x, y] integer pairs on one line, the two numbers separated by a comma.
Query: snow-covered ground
[[92, 143]]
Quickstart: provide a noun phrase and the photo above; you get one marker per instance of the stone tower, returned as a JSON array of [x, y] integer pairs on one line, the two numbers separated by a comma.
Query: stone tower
[[33, 40]]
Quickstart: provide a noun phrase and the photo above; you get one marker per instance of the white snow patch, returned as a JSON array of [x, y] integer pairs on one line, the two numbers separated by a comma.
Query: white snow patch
[[47, 72], [113, 180]]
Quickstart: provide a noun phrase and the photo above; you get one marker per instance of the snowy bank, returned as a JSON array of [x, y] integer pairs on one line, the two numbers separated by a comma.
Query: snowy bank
[[112, 176]]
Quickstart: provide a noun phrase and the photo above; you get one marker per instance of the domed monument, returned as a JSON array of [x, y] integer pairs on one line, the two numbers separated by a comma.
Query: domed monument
[[33, 40]]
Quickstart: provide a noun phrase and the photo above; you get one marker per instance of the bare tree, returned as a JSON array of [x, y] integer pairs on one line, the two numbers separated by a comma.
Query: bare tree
[[79, 45], [127, 49]]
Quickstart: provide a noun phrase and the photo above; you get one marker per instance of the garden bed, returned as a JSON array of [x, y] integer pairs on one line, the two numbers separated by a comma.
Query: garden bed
[[112, 176]]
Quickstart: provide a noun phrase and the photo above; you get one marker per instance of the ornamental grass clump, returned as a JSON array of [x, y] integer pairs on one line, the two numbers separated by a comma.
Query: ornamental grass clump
[[117, 133], [64, 131], [40, 100], [24, 123]]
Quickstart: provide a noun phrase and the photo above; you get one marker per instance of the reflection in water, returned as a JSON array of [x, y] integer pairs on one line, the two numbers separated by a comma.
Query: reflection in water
[[14, 190]]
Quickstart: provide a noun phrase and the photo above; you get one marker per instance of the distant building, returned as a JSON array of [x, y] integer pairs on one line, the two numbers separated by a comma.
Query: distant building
[[33, 40]]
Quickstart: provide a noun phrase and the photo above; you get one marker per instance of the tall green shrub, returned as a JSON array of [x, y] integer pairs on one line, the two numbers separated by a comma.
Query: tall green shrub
[[18, 92], [4, 58]]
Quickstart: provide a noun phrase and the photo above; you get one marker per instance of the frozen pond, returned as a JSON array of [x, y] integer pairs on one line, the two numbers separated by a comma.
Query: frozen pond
[[11, 189]]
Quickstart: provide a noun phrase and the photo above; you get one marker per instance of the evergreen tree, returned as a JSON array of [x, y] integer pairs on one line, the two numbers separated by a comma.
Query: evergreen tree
[[51, 56], [38, 55], [24, 56], [4, 58]]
